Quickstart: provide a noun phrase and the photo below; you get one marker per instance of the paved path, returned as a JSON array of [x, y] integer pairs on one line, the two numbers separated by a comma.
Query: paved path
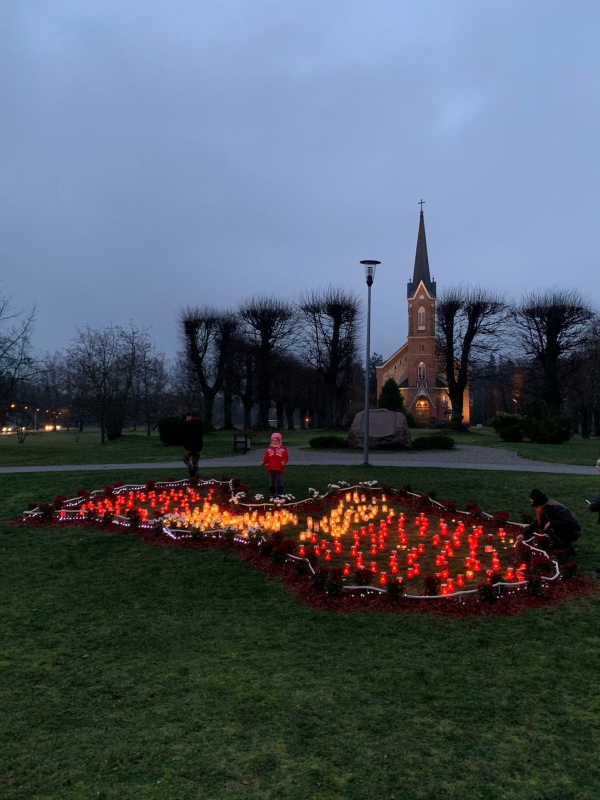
[[462, 457]]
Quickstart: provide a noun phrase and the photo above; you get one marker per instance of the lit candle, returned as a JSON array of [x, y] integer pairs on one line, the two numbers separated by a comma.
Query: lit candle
[[302, 550], [346, 569], [373, 566], [382, 578]]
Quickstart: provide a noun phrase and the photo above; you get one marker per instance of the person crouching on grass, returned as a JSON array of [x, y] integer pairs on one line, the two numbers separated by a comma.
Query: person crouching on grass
[[275, 458], [555, 527], [193, 430]]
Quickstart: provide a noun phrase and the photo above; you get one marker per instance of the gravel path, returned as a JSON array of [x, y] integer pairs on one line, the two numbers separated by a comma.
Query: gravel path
[[462, 457]]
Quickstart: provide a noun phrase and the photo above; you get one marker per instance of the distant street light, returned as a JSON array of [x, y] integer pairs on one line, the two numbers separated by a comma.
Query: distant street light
[[370, 267]]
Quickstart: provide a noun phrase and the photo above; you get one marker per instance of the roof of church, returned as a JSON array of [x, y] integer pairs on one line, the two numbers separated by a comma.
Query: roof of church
[[421, 270]]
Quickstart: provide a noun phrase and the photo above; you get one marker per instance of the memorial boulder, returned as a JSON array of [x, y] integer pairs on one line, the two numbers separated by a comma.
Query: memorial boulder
[[387, 429]]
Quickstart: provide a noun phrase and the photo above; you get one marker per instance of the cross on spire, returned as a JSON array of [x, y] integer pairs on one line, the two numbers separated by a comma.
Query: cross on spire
[[421, 203]]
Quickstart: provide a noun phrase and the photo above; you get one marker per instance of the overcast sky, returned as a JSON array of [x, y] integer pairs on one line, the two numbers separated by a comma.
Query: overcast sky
[[159, 153]]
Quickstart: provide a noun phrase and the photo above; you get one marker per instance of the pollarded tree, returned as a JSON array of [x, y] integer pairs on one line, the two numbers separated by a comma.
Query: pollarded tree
[[269, 325], [553, 326], [208, 336], [469, 324], [330, 320]]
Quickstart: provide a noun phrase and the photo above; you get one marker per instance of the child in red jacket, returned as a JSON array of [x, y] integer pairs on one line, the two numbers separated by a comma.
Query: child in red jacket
[[276, 457]]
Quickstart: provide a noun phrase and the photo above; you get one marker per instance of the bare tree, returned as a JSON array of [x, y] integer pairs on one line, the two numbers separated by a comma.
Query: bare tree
[[102, 367], [16, 358], [469, 321], [151, 381], [552, 326], [269, 324], [208, 336], [581, 392], [330, 320]]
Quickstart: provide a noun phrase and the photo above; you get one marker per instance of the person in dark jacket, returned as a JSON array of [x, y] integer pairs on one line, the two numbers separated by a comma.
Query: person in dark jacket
[[555, 527], [193, 431]]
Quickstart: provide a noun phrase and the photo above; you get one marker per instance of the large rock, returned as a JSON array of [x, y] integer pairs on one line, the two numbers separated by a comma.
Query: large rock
[[386, 429]]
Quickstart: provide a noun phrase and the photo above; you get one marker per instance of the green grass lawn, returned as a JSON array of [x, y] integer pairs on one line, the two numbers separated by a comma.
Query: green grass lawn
[[129, 671], [71, 447], [575, 451]]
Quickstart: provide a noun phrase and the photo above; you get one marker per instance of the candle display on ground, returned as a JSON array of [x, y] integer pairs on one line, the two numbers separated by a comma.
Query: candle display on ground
[[374, 531]]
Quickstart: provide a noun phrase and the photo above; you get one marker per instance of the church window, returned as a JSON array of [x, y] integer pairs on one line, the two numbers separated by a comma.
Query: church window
[[421, 318], [421, 372]]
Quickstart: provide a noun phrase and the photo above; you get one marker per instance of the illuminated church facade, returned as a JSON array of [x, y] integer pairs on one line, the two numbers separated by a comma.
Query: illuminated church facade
[[415, 366]]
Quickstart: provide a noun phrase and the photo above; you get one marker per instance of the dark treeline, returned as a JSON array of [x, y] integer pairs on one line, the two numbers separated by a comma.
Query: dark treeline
[[267, 360], [297, 364]]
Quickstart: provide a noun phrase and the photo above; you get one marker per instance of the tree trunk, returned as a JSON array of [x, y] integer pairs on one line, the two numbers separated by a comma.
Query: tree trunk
[[585, 422], [456, 400], [209, 402], [302, 419], [311, 415], [596, 415], [227, 411], [289, 412], [248, 406], [280, 408]]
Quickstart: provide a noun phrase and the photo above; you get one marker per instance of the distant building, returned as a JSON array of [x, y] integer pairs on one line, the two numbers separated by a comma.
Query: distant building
[[414, 366]]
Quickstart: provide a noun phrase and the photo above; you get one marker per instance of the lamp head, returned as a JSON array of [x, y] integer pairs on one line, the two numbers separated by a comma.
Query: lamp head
[[370, 267]]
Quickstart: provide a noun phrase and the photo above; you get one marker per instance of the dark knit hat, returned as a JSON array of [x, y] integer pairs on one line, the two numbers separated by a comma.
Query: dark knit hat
[[538, 498]]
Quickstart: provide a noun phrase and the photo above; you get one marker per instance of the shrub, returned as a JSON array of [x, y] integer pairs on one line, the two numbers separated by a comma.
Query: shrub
[[535, 587], [280, 554], [487, 593], [449, 505], [320, 578], [395, 588], [267, 548], [363, 577], [327, 442], [509, 427], [548, 431], [431, 585], [171, 431], [437, 441], [335, 582]]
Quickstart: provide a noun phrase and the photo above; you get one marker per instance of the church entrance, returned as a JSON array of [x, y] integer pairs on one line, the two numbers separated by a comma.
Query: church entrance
[[422, 411]]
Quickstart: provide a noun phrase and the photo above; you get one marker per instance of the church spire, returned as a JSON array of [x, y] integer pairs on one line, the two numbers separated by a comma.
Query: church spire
[[421, 270]]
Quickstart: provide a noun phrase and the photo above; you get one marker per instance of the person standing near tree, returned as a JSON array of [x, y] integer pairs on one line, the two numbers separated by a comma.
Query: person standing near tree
[[193, 432]]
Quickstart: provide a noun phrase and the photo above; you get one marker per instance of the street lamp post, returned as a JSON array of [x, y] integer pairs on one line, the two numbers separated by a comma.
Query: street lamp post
[[370, 267]]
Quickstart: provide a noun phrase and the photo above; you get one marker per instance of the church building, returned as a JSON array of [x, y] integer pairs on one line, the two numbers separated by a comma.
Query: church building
[[415, 366]]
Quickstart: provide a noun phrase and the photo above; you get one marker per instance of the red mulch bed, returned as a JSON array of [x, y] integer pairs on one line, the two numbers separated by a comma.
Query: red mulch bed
[[319, 600]]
